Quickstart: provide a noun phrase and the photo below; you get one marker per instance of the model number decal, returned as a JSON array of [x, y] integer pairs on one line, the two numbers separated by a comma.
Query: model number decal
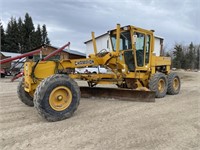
[[84, 62]]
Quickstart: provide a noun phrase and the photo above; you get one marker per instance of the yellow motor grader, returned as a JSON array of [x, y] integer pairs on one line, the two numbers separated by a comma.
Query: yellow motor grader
[[135, 70]]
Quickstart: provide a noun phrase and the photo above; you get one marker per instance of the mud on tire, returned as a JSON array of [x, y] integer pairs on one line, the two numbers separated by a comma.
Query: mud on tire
[[43, 97], [23, 95]]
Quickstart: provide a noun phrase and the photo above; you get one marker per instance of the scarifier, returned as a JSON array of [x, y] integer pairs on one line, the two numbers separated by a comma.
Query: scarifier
[[135, 70]]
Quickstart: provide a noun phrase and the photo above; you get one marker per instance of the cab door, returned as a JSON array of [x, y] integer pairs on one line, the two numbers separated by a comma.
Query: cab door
[[142, 49]]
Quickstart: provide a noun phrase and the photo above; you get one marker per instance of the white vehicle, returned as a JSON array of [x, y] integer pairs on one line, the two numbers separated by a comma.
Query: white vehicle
[[97, 69]]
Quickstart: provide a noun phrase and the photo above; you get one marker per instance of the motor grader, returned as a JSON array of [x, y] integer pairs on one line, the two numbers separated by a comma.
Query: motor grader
[[135, 70]]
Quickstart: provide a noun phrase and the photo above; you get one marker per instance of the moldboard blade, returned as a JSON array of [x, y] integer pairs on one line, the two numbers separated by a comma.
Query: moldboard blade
[[118, 93]]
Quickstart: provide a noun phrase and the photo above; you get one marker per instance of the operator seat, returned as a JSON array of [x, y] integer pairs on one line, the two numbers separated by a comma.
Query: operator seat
[[140, 58], [129, 60]]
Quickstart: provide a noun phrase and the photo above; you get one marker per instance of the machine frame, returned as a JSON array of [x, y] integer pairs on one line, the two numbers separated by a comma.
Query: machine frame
[[34, 71]]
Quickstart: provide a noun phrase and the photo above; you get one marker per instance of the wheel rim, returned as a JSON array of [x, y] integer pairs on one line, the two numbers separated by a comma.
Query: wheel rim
[[161, 85], [175, 83], [60, 98]]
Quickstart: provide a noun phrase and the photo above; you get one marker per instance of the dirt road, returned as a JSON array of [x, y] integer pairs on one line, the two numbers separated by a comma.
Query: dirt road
[[171, 123]]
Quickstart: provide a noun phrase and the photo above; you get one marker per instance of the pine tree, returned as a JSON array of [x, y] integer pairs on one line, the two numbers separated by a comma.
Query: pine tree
[[45, 39], [48, 41], [11, 37], [186, 57], [2, 42], [29, 31], [178, 60], [187, 64], [21, 35], [197, 65], [38, 37], [191, 56]]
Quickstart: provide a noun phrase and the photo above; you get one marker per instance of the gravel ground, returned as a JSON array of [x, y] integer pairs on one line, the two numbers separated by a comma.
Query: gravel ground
[[171, 123]]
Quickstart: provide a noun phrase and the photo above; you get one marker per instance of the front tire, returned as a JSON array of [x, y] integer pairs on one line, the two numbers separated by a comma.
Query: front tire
[[158, 83], [24, 96], [57, 97], [174, 84]]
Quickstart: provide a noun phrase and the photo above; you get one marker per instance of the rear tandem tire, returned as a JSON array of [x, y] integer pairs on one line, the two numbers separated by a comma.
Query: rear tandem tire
[[174, 84], [57, 97], [158, 83], [23, 95]]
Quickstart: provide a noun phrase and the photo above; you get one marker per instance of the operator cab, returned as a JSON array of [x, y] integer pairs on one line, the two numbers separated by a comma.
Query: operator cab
[[134, 46]]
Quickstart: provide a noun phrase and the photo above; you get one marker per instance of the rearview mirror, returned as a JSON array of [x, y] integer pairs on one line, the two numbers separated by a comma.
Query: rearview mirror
[[134, 38]]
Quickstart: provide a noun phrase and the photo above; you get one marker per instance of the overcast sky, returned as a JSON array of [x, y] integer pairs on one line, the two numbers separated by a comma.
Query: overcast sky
[[73, 20]]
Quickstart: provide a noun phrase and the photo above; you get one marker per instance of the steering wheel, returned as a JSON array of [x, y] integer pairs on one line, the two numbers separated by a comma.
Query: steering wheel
[[102, 53]]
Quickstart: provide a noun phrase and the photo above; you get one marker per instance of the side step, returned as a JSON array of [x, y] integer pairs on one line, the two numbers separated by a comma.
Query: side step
[[118, 93]]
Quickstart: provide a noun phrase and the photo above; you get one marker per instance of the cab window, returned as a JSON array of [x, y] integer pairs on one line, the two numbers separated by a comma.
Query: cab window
[[125, 41], [147, 49], [139, 46]]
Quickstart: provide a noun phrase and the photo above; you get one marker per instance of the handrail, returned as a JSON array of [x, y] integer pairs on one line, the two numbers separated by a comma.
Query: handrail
[[20, 56], [55, 52]]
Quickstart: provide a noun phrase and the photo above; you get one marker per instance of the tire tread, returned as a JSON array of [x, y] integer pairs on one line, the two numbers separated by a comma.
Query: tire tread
[[41, 90], [153, 84], [23, 95], [170, 89]]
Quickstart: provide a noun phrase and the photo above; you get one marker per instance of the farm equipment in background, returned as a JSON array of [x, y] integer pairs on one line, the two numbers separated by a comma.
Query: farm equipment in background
[[3, 72], [4, 68], [136, 71], [20, 58]]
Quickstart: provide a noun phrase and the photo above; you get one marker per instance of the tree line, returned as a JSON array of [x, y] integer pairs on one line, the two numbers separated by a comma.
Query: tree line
[[185, 56], [21, 36]]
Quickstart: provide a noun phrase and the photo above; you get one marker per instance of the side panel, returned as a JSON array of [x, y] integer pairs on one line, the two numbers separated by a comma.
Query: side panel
[[161, 61], [161, 64], [41, 71]]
